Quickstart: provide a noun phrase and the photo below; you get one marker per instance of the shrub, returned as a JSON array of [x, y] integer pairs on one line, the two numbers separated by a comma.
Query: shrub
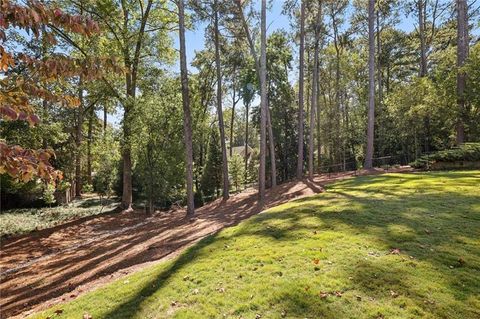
[[48, 196], [465, 152], [87, 188]]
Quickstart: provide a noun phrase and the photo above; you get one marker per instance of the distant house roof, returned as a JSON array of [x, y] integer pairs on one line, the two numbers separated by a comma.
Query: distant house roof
[[240, 150]]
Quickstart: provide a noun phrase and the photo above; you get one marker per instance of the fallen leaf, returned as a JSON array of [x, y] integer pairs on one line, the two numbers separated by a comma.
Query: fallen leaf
[[316, 261], [461, 261]]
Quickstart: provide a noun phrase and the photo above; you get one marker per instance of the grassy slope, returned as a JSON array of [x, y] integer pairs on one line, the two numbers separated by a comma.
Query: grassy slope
[[25, 220], [266, 265]]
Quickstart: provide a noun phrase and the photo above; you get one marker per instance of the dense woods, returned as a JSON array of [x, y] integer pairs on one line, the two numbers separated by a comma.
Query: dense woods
[[107, 96]]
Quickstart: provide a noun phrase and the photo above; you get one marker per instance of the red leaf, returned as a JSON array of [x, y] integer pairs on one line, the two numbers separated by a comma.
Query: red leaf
[[58, 12], [8, 112]]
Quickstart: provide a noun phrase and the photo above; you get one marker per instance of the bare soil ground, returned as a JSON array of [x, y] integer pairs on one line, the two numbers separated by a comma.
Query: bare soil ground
[[58, 264]]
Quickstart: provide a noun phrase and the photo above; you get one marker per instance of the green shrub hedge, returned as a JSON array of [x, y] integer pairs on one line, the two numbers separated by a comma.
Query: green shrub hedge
[[467, 152]]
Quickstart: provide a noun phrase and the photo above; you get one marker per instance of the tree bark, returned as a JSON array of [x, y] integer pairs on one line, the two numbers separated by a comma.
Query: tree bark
[[127, 162], [247, 106], [105, 117], [319, 145], [263, 100], [225, 191], [301, 77], [271, 144], [421, 30], [131, 87], [187, 126], [78, 141], [89, 144], [371, 84], [232, 119], [462, 55], [260, 67], [313, 107], [379, 58]]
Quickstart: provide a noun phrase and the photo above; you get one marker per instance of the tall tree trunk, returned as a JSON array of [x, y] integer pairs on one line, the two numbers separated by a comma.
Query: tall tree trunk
[[105, 117], [150, 179], [78, 141], [261, 70], [271, 144], [421, 30], [371, 83], [338, 105], [247, 106], [127, 161], [423, 64], [379, 58], [301, 77], [263, 100], [89, 144], [462, 55], [187, 126], [131, 87], [319, 145], [314, 102], [225, 191], [232, 119]]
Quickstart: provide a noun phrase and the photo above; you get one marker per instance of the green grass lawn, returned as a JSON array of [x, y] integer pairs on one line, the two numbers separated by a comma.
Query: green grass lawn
[[388, 246], [25, 220]]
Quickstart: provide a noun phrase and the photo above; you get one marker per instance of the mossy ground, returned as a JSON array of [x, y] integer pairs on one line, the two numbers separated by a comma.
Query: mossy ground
[[388, 246]]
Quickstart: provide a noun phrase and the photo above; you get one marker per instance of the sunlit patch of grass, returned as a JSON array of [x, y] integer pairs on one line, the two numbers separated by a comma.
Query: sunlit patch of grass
[[389, 246], [25, 220]]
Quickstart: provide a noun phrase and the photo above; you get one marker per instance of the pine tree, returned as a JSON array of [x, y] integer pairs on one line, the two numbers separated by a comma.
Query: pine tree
[[211, 179]]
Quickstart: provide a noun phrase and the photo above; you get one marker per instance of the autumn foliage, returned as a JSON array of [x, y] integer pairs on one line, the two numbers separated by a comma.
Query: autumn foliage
[[24, 78]]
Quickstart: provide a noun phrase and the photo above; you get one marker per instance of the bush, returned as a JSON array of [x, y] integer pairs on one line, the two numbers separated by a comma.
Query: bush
[[48, 196], [87, 188], [466, 152]]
